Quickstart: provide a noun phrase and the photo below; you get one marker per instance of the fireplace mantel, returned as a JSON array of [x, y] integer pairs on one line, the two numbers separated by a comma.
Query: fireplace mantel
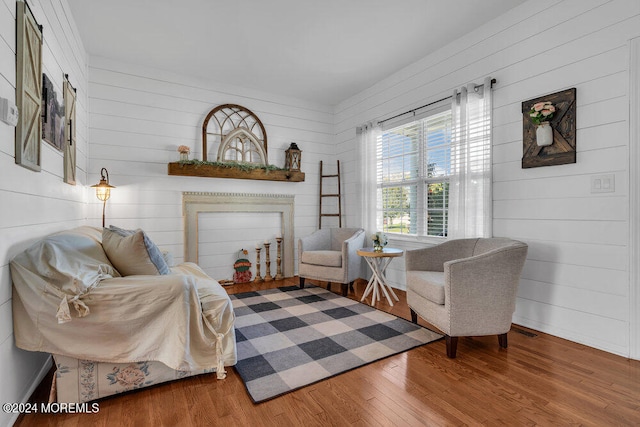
[[216, 171], [194, 203]]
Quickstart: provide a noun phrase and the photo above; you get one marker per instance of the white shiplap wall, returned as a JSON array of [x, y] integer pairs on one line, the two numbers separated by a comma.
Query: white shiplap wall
[[33, 204], [575, 283], [139, 116]]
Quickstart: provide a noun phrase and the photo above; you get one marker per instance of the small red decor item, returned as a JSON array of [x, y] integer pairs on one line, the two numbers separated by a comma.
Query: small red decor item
[[242, 266]]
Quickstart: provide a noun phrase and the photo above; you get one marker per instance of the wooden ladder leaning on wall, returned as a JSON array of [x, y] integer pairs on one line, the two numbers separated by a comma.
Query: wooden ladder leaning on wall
[[337, 194]]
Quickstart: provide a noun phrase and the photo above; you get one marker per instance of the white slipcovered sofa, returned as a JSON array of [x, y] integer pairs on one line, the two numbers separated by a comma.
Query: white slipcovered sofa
[[110, 333]]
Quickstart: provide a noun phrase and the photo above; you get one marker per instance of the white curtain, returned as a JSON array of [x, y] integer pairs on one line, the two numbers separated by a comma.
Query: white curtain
[[367, 171], [470, 199]]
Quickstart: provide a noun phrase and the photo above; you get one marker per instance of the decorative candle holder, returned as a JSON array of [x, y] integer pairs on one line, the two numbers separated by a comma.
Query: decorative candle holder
[[258, 277], [279, 275], [267, 276]]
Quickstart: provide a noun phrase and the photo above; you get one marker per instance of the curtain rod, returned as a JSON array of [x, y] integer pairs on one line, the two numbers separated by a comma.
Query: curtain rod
[[493, 81]]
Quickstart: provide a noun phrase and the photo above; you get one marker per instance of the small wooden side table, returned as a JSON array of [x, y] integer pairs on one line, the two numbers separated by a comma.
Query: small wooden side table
[[378, 262]]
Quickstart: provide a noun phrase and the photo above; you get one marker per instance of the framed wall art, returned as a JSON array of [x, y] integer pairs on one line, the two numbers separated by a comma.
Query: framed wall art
[[549, 130], [28, 87], [52, 115], [69, 132]]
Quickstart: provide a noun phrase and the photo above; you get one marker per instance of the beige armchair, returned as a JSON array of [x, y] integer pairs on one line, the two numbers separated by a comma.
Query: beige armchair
[[330, 255], [466, 287]]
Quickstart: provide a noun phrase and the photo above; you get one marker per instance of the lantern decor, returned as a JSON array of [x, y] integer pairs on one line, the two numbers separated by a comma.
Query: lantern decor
[[103, 190], [293, 158], [242, 266]]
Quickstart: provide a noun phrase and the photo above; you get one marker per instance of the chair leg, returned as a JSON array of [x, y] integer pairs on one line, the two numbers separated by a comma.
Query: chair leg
[[301, 282], [414, 316], [329, 286], [345, 289], [452, 346], [502, 340]]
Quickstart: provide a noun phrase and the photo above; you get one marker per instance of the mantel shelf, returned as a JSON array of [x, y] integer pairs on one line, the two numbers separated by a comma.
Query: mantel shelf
[[212, 171]]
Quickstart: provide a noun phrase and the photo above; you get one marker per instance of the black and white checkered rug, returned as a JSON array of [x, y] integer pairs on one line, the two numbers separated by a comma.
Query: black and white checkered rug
[[289, 337]]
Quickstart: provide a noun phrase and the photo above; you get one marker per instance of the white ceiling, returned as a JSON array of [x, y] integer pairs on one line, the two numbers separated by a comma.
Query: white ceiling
[[319, 50]]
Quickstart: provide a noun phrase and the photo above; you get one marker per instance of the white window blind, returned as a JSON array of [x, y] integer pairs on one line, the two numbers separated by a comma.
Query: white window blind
[[413, 169]]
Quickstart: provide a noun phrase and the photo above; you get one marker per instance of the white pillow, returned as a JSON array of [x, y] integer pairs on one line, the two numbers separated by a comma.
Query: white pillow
[[132, 252]]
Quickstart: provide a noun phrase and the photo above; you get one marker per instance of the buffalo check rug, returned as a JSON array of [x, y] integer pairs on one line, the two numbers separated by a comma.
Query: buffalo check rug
[[288, 337]]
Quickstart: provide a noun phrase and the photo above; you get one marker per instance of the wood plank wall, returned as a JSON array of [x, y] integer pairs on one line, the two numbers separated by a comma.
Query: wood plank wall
[[575, 283], [139, 116], [34, 204]]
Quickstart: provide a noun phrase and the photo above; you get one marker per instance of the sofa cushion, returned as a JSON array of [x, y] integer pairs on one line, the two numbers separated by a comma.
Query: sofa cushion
[[132, 252], [427, 284], [324, 258]]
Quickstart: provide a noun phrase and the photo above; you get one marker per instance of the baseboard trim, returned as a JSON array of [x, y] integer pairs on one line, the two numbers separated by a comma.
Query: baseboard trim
[[572, 336], [46, 366]]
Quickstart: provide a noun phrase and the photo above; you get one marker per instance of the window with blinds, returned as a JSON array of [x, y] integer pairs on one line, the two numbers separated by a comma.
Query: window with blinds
[[413, 167]]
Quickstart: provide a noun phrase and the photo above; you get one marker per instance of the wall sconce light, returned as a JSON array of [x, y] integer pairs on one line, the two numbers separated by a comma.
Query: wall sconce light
[[103, 190], [293, 158]]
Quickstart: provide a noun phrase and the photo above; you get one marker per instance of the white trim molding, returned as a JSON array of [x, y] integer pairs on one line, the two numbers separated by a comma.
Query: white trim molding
[[37, 379], [634, 198], [194, 203]]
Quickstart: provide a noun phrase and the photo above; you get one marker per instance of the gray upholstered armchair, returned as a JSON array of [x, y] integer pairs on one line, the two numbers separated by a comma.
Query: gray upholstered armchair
[[466, 287], [330, 255]]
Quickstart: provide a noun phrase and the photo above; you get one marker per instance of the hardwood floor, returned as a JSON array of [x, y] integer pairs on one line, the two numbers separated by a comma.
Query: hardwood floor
[[538, 380]]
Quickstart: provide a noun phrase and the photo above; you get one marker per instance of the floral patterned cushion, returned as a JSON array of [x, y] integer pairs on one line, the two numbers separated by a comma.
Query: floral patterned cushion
[[84, 380]]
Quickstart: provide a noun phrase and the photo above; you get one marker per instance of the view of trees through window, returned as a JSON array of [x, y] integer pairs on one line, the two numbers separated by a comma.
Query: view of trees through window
[[413, 166]]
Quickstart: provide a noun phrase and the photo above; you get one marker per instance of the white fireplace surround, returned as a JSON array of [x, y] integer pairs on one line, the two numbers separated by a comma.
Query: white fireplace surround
[[193, 203]]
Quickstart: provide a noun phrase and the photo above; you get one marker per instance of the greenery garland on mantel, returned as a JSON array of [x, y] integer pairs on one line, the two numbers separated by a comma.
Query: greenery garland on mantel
[[246, 167], [237, 170]]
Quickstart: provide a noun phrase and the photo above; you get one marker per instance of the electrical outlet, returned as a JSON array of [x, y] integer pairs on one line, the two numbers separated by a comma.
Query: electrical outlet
[[8, 112], [603, 183]]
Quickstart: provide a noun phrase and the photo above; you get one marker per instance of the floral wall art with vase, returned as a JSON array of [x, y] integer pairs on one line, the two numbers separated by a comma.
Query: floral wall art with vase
[[549, 130]]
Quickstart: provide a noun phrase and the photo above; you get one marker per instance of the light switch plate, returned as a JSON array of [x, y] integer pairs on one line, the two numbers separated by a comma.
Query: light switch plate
[[8, 112], [603, 183]]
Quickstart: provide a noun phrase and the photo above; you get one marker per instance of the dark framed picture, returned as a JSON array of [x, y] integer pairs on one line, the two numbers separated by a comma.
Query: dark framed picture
[[52, 115], [556, 114]]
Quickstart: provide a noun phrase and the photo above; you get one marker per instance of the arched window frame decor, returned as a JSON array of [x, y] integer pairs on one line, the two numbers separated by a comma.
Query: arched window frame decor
[[232, 122]]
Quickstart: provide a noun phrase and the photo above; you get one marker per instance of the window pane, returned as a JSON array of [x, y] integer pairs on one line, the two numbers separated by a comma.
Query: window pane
[[399, 154], [437, 208], [438, 161], [399, 209]]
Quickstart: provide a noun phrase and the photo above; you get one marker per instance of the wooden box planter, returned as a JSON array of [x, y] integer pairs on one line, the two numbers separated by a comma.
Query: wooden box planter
[[214, 171]]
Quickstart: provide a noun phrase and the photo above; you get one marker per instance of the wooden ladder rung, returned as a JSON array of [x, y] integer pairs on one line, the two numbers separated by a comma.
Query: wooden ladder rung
[[322, 195]]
